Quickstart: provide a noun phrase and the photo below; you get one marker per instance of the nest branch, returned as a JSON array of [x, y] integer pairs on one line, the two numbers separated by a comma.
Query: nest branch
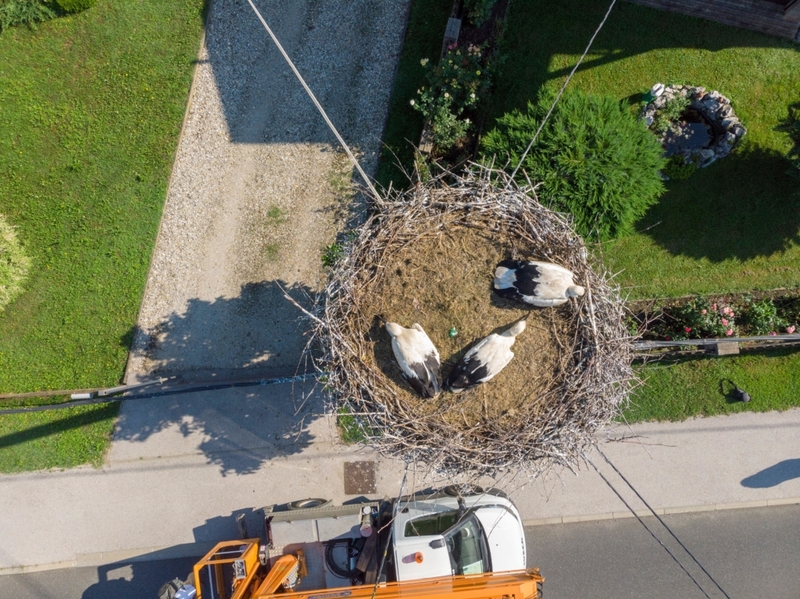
[[594, 375]]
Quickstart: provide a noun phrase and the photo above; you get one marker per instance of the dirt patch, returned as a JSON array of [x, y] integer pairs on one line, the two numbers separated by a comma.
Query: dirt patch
[[444, 281]]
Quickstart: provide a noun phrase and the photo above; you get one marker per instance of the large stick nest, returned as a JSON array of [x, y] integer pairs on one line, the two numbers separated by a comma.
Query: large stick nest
[[428, 256]]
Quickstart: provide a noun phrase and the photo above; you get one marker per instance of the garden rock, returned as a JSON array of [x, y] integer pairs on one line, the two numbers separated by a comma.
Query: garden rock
[[715, 112]]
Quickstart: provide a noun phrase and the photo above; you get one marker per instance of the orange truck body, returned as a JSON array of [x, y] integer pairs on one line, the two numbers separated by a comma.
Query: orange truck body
[[233, 571]]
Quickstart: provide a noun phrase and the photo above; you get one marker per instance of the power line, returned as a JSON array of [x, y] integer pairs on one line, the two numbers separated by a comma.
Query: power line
[[316, 102], [652, 534], [171, 390], [664, 524], [386, 548], [561, 91]]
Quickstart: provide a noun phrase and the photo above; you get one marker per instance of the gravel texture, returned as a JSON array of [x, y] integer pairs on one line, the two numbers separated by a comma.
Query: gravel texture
[[259, 186]]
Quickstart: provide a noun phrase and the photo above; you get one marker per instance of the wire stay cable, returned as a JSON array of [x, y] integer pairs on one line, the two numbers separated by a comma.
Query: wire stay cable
[[386, 548], [316, 102], [652, 534], [561, 91], [664, 524]]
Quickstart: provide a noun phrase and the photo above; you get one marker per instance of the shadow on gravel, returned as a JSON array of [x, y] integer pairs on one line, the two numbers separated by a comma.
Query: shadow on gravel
[[254, 81], [258, 334], [239, 427], [774, 475]]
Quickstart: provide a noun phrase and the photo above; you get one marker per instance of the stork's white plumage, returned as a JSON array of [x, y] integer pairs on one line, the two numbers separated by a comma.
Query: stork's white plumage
[[484, 361], [417, 357], [537, 283]]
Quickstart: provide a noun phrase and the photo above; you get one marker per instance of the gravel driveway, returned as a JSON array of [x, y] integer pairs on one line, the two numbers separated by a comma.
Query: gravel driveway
[[259, 185]]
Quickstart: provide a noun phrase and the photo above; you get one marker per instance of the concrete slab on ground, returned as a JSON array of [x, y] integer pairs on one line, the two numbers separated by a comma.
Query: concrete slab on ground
[[182, 467]]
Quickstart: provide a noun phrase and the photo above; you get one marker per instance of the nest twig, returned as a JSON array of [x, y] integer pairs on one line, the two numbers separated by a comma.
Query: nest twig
[[556, 426]]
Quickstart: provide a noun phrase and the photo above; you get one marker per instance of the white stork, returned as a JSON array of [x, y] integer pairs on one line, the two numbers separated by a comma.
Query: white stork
[[484, 361], [417, 357], [537, 283]]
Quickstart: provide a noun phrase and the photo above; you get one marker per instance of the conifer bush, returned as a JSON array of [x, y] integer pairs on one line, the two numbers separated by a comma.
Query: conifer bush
[[594, 159], [23, 12], [70, 6]]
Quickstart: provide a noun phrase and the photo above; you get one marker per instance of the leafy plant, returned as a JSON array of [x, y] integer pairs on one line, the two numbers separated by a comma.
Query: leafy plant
[[792, 126], [479, 10], [762, 317], [678, 169], [593, 157], [14, 264], [275, 215], [24, 12], [350, 429], [454, 86], [667, 116], [331, 254]]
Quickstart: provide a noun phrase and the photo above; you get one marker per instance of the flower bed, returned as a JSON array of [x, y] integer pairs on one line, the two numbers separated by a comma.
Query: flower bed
[[718, 317]]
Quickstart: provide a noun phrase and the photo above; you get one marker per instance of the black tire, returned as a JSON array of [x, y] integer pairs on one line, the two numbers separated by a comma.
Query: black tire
[[304, 504], [466, 490]]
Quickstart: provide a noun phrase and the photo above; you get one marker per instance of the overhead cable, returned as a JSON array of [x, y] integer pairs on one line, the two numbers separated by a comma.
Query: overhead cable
[[652, 534], [664, 524], [316, 102], [561, 91]]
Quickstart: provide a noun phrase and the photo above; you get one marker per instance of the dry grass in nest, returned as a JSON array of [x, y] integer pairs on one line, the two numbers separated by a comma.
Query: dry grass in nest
[[428, 256]]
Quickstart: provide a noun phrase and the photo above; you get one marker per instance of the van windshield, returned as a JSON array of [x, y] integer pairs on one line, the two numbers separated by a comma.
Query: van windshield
[[467, 547], [464, 539]]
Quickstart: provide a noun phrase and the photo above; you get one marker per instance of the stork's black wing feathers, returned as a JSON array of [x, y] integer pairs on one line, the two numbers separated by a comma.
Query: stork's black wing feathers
[[428, 379], [467, 374]]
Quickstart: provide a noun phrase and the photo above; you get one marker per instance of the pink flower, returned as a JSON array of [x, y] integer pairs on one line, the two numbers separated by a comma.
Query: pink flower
[[724, 322], [772, 333], [791, 329], [714, 307], [688, 329], [703, 311], [729, 332]]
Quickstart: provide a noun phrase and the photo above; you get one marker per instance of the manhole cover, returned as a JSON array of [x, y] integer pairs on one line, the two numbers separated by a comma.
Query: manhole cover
[[359, 478]]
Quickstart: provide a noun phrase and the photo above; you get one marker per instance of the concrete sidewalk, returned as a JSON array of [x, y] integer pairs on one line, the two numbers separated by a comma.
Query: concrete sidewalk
[[181, 467]]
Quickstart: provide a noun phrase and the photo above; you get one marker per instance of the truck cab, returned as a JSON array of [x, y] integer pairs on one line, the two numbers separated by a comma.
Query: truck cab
[[446, 535]]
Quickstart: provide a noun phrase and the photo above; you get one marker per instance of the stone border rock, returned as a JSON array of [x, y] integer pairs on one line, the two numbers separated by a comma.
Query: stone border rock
[[714, 107]]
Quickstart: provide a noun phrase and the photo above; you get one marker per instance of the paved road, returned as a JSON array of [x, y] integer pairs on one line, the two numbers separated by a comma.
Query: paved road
[[751, 553]]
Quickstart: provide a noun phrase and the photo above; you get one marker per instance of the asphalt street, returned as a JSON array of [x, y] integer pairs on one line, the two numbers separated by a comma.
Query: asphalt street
[[749, 552]]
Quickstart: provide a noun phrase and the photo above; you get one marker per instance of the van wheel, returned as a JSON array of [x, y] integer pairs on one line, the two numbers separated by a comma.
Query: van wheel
[[463, 490], [304, 504]]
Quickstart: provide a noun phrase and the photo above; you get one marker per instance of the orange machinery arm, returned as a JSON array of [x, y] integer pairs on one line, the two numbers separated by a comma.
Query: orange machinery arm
[[521, 584]]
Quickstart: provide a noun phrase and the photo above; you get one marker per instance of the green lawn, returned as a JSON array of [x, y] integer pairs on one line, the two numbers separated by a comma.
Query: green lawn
[[676, 391], [426, 24], [90, 111], [731, 227]]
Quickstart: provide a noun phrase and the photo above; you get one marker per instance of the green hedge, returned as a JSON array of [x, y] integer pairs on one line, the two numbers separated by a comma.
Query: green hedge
[[593, 157]]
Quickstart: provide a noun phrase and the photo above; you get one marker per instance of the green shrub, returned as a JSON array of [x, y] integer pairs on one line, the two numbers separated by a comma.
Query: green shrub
[[14, 264], [762, 317], [792, 126], [678, 169], [594, 159], [670, 113], [478, 11], [71, 6], [23, 12], [455, 85]]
